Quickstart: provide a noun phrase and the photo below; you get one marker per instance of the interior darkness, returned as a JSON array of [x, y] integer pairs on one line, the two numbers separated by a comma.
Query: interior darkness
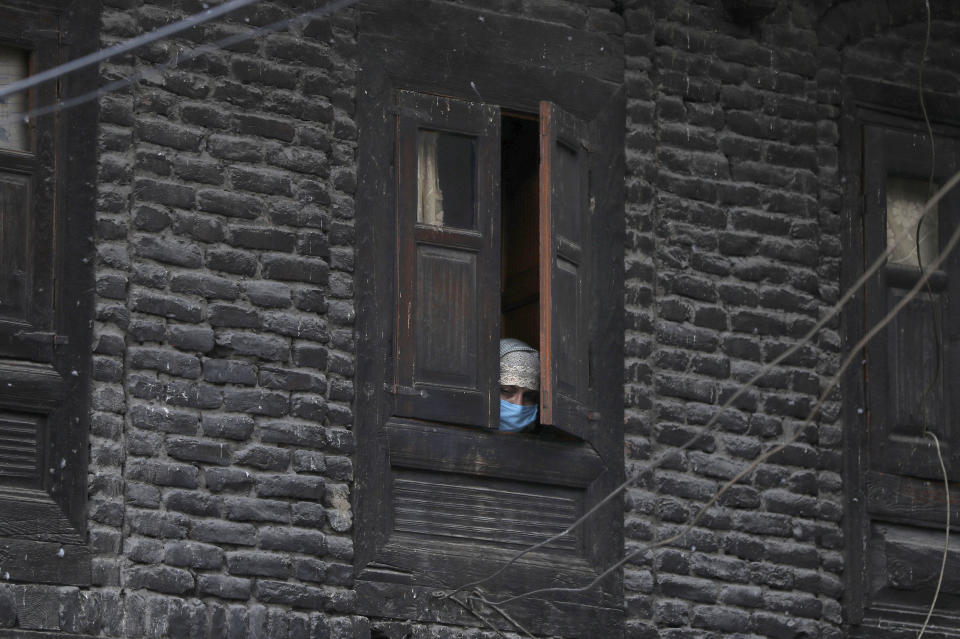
[[456, 166], [520, 210]]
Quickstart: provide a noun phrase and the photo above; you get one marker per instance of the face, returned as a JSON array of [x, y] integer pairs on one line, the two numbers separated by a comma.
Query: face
[[520, 395]]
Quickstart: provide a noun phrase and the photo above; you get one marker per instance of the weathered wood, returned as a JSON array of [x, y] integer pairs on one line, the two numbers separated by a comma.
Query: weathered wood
[[492, 454], [912, 500], [447, 277], [894, 489], [546, 616], [43, 562], [467, 509], [30, 386], [45, 375], [400, 52], [497, 39], [564, 223]]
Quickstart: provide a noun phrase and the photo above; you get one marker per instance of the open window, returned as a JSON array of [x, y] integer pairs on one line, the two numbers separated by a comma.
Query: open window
[[493, 233], [492, 212], [475, 222]]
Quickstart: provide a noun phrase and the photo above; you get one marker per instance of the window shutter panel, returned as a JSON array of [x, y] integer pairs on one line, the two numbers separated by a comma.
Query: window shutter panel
[[42, 427], [564, 220], [902, 360], [26, 236], [448, 260]]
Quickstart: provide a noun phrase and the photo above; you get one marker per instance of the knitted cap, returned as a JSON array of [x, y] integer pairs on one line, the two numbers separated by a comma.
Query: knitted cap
[[519, 364]]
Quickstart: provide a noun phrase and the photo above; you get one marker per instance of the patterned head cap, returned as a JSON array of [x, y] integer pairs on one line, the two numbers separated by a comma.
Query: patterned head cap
[[519, 364]]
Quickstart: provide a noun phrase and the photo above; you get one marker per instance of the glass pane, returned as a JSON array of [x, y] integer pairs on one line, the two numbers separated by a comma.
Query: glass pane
[[905, 200], [14, 65], [446, 179]]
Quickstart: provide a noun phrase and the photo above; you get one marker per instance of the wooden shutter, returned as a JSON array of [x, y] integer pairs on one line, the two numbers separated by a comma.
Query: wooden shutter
[[902, 360], [564, 227], [448, 290], [44, 301], [27, 263]]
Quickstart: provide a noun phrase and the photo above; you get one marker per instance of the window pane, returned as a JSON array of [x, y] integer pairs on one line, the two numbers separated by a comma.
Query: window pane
[[905, 200], [13, 128], [446, 179]]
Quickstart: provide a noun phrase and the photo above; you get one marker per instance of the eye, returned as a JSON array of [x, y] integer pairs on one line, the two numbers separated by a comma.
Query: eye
[[531, 397], [508, 390]]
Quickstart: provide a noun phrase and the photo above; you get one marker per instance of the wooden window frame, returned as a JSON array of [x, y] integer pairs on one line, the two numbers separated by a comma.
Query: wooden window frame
[[397, 571], [45, 363], [893, 488]]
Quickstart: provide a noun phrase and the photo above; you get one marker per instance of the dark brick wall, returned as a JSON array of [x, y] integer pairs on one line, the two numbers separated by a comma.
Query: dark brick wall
[[221, 446], [734, 217]]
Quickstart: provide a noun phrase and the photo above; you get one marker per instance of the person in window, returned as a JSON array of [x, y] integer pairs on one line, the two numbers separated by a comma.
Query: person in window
[[519, 385]]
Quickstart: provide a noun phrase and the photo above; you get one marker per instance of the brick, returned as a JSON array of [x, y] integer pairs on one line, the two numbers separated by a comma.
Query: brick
[[261, 181], [193, 170], [259, 564], [199, 451], [159, 578], [189, 394], [296, 269], [189, 554], [167, 193], [256, 402], [234, 148], [238, 427], [291, 380], [247, 509], [299, 487], [231, 261], [262, 238], [309, 542], [162, 525], [229, 204], [163, 473], [233, 316], [168, 134], [229, 371], [308, 515], [224, 587], [163, 419], [264, 458], [150, 218], [305, 461], [268, 294], [274, 128], [295, 595], [224, 532], [205, 285], [220, 479], [267, 347], [297, 433], [298, 325], [191, 338], [263, 72], [166, 306]]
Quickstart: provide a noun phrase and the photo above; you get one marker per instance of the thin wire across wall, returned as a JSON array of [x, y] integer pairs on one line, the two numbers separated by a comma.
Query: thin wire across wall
[[141, 72]]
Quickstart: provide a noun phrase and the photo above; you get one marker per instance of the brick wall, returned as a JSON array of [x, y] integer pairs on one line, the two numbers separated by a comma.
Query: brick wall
[[221, 445], [734, 218]]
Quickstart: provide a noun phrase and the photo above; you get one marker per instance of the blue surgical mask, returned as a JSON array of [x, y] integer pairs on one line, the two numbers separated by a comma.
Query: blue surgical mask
[[514, 417]]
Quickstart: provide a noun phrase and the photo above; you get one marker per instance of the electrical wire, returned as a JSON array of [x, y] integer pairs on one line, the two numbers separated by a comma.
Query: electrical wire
[[196, 52], [123, 47], [946, 540]]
